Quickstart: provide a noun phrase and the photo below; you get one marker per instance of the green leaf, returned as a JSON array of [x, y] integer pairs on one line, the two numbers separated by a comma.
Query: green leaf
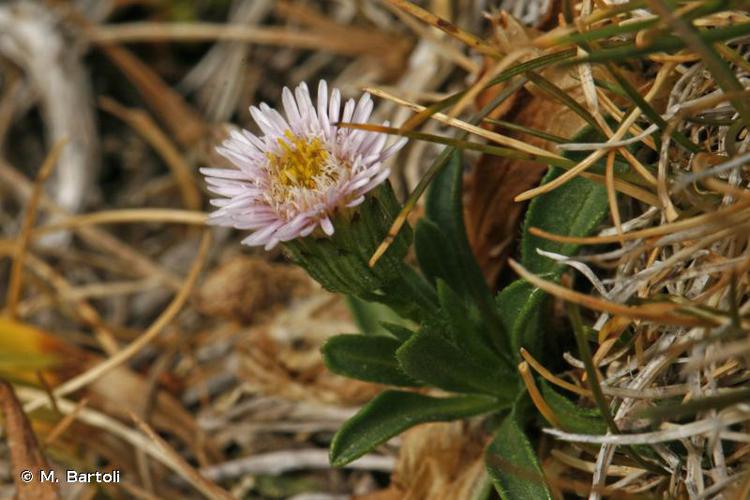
[[398, 331], [444, 208], [520, 305], [437, 256], [443, 251], [465, 324], [573, 418], [667, 43], [574, 209], [366, 357], [369, 315], [512, 464], [391, 413], [410, 295], [431, 358]]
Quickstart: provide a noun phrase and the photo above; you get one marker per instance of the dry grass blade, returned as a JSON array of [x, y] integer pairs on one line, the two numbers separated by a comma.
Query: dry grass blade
[[279, 462], [591, 159], [665, 313], [179, 465], [181, 120], [720, 70], [102, 240], [225, 378], [86, 312], [460, 144], [101, 421], [617, 470], [202, 32], [145, 126], [434, 169], [446, 26], [720, 217], [66, 422], [536, 396], [468, 127], [447, 50], [649, 438], [14, 286], [550, 377], [25, 453], [156, 327], [624, 187], [144, 215]]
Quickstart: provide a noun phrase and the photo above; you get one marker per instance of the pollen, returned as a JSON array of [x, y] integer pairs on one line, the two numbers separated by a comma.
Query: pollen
[[301, 163]]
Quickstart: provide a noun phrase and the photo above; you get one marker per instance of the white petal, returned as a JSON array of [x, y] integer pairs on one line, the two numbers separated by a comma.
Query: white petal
[[375, 181], [272, 243], [308, 230], [334, 106], [255, 140], [323, 108], [290, 107], [265, 124], [375, 142], [291, 229], [363, 110], [359, 183], [327, 226], [261, 236], [355, 202], [224, 173], [348, 111], [303, 97], [281, 124], [322, 99], [394, 148]]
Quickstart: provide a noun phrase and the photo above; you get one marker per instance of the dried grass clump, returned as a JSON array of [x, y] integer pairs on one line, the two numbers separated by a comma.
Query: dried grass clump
[[677, 394]]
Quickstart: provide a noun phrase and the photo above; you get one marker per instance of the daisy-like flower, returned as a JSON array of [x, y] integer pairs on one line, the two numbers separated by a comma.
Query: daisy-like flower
[[293, 179]]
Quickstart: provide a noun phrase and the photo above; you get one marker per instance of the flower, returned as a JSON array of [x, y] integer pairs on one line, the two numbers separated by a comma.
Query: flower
[[294, 178]]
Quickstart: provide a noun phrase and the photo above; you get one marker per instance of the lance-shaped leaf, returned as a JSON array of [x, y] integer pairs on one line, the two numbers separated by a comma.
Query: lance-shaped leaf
[[392, 412], [512, 464], [444, 253], [574, 209], [521, 305], [466, 329], [444, 208], [369, 315], [573, 418], [371, 358], [431, 357]]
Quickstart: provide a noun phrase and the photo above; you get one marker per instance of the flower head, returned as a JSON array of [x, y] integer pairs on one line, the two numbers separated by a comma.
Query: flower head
[[303, 169]]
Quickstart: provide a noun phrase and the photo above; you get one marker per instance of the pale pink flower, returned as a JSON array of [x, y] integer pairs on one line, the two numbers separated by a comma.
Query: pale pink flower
[[293, 178]]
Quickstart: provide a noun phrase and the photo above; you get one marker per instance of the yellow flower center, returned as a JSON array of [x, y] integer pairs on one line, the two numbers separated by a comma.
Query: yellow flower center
[[300, 163]]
